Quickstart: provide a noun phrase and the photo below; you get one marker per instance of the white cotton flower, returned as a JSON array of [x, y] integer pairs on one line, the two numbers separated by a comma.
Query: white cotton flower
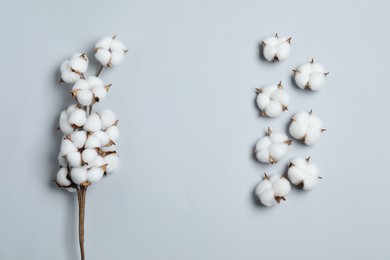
[[93, 123], [71, 189], [109, 51], [276, 48], [310, 75], [95, 174], [272, 147], [107, 118], [102, 136], [89, 155], [78, 117], [113, 133], [67, 147], [78, 138], [272, 100], [110, 148], [112, 161], [304, 173], [74, 69], [62, 160], [306, 127], [62, 177], [272, 189], [99, 162], [74, 159], [90, 90], [65, 126], [92, 142], [78, 175]]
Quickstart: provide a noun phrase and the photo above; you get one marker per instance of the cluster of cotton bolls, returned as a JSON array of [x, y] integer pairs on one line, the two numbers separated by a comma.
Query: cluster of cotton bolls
[[273, 100], [88, 147]]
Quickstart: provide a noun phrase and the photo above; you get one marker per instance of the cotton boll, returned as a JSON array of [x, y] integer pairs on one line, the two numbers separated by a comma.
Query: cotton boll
[[78, 117], [71, 190], [65, 127], [93, 123], [64, 65], [98, 162], [78, 175], [310, 75], [272, 100], [113, 133], [103, 137], [92, 142], [107, 118], [69, 76], [80, 84], [276, 48], [79, 62], [271, 190], [117, 57], [109, 51], [78, 138], [112, 161], [100, 93], [74, 159], [103, 56], [94, 82], [89, 155], [61, 177], [104, 43], [67, 147], [70, 109], [111, 148], [272, 147], [62, 161], [95, 174], [85, 97], [306, 127], [304, 173]]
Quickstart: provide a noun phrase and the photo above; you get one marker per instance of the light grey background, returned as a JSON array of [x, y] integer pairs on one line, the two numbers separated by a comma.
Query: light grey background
[[185, 99]]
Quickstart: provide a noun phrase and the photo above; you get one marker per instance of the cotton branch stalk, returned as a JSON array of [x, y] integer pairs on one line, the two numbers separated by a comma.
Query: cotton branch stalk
[[88, 147]]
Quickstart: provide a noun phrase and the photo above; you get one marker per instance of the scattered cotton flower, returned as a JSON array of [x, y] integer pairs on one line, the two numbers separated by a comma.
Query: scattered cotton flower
[[306, 126], [272, 147], [272, 189], [304, 173], [276, 48], [272, 100], [310, 75]]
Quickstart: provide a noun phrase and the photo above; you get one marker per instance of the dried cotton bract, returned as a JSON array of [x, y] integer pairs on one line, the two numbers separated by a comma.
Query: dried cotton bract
[[310, 75], [307, 127], [272, 189], [304, 173], [276, 48], [272, 100], [109, 51], [272, 147]]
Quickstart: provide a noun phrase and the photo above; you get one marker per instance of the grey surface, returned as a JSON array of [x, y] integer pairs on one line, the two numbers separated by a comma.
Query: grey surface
[[185, 99]]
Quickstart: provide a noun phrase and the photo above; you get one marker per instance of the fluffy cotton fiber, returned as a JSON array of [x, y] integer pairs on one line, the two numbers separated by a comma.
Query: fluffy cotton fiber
[[272, 189], [276, 48], [272, 100], [272, 147]]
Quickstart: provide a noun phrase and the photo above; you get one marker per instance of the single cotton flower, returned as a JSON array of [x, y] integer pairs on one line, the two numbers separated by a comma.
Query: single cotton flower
[[74, 69], [109, 51], [272, 147], [304, 173], [272, 100], [307, 127], [310, 75], [272, 189], [276, 48]]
